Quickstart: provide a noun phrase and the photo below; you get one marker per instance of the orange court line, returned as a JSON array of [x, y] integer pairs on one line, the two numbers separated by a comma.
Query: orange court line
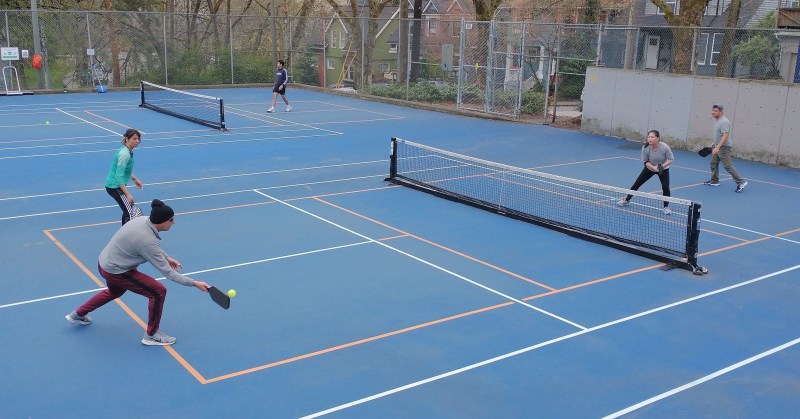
[[647, 268], [181, 360], [552, 291], [723, 235], [124, 306], [112, 121], [462, 315], [357, 342], [577, 162], [505, 271]]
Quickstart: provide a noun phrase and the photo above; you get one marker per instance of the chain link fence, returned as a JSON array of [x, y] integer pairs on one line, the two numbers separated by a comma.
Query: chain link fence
[[516, 69]]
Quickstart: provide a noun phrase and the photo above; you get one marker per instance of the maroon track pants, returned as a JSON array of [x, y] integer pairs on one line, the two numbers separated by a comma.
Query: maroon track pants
[[135, 281]]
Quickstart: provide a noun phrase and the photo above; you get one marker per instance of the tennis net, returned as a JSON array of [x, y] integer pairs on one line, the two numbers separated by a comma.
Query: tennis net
[[201, 109], [579, 208]]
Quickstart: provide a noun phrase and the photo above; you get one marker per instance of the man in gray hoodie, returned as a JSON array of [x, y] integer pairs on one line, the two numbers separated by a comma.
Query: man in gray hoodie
[[133, 244]]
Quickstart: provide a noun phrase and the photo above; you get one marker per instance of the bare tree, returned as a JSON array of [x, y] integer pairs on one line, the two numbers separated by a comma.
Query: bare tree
[[691, 15], [729, 37], [357, 23], [484, 9]]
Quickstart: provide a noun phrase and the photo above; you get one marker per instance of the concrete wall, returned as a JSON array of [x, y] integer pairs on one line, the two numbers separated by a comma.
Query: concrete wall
[[628, 103]]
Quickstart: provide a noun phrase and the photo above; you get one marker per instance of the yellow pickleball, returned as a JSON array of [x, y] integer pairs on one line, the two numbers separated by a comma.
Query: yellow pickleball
[[47, 122], [231, 293]]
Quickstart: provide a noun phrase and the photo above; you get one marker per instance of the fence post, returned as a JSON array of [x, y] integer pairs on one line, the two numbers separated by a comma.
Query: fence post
[[230, 42], [460, 63], [520, 71], [599, 52], [489, 68], [555, 76], [274, 23], [166, 56], [37, 45], [693, 62], [291, 47], [636, 48], [547, 85], [408, 57], [88, 57]]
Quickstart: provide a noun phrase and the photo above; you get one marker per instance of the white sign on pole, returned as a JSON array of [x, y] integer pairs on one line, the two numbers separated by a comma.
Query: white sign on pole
[[9, 53], [25, 53], [90, 52]]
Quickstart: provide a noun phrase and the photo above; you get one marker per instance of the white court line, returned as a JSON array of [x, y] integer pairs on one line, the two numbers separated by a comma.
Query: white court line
[[40, 124], [254, 262], [328, 134], [356, 120], [44, 140], [151, 139], [750, 231], [272, 118], [418, 259], [266, 172], [362, 110], [10, 109], [702, 380], [88, 122], [15, 217], [542, 344]]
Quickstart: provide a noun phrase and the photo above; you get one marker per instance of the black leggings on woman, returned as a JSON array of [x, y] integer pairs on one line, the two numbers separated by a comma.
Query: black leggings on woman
[[646, 174], [122, 201]]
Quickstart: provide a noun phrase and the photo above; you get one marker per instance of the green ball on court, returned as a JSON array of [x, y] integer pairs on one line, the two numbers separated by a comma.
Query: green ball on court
[[231, 293], [47, 122]]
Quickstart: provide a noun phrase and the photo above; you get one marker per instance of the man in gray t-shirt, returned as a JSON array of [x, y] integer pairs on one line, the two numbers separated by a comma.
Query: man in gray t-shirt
[[721, 150]]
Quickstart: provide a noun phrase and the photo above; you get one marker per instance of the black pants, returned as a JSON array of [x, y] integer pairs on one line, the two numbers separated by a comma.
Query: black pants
[[646, 174], [123, 203]]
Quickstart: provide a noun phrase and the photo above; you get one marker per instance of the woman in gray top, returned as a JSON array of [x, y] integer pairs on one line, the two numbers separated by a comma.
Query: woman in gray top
[[657, 158]]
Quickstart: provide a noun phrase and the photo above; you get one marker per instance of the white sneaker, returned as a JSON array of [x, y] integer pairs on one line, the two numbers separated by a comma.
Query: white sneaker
[[667, 211], [74, 318], [158, 339], [623, 202], [288, 108], [270, 110], [740, 187]]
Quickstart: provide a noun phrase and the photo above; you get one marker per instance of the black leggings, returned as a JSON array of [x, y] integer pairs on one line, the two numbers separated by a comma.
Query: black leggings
[[646, 174], [123, 203]]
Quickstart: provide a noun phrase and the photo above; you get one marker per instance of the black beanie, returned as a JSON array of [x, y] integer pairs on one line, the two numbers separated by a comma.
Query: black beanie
[[160, 212]]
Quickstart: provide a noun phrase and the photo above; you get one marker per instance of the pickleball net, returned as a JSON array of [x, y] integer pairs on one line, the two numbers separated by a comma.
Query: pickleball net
[[579, 208], [201, 109]]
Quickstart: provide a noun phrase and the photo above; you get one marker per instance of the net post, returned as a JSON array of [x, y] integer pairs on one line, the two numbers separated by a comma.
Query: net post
[[222, 115], [693, 234], [393, 160], [141, 92]]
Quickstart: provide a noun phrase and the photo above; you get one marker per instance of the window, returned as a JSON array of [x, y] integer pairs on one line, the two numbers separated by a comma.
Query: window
[[455, 29], [716, 7], [329, 64], [392, 48], [333, 39], [384, 68], [702, 49], [342, 40], [673, 5], [716, 46]]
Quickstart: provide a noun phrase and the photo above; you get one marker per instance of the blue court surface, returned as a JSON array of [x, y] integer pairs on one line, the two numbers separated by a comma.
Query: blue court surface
[[358, 298]]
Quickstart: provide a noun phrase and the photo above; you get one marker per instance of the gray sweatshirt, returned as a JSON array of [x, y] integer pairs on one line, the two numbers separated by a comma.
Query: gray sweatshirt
[[135, 243]]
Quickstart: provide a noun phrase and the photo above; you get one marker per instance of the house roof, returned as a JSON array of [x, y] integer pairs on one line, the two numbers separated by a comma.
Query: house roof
[[751, 13]]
